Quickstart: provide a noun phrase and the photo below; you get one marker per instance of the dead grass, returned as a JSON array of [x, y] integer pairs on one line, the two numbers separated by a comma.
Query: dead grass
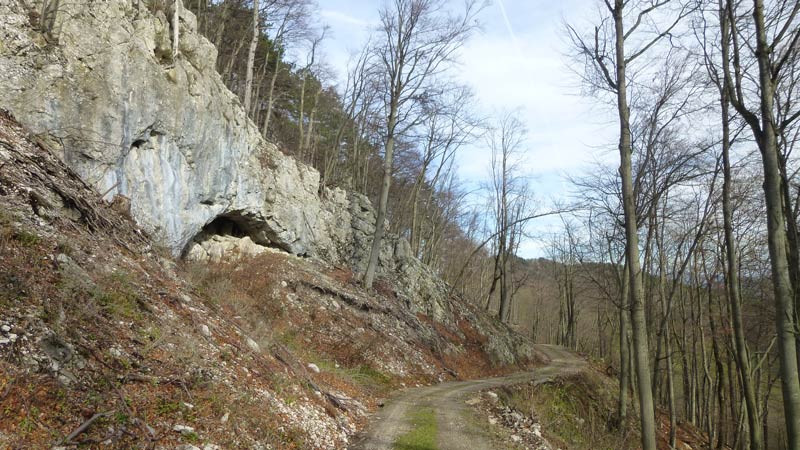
[[255, 295], [164, 365]]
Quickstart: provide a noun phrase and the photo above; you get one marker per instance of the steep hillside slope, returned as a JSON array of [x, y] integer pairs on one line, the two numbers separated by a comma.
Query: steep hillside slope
[[104, 339]]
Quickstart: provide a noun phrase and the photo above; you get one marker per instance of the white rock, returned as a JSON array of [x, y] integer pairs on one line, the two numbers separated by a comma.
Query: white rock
[[225, 418], [188, 405], [253, 345], [313, 367], [491, 395], [205, 330], [5, 328], [183, 429], [4, 341], [284, 284]]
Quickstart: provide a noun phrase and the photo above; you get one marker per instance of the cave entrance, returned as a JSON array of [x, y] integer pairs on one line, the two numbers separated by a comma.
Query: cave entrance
[[225, 226], [227, 236]]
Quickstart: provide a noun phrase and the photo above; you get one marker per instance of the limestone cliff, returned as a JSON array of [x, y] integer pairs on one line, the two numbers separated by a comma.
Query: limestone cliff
[[166, 133]]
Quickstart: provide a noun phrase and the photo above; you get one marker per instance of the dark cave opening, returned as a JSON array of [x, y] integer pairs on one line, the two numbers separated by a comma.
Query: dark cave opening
[[225, 226]]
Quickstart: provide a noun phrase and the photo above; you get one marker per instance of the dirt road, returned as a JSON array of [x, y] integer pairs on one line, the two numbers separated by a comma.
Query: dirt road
[[453, 415]]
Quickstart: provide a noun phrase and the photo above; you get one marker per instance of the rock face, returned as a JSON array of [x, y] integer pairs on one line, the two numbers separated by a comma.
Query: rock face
[[164, 131]]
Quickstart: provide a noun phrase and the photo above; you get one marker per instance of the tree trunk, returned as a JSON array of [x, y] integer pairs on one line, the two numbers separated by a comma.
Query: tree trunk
[[665, 335], [255, 113], [222, 21], [48, 17], [176, 27], [638, 321], [388, 159], [732, 276], [624, 356], [776, 235], [505, 301], [226, 73], [301, 120], [251, 57], [271, 97]]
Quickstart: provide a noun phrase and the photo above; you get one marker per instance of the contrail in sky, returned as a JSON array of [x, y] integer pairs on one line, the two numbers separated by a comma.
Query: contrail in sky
[[505, 19]]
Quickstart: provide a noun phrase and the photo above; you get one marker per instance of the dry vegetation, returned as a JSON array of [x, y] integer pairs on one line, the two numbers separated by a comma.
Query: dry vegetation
[[578, 412]]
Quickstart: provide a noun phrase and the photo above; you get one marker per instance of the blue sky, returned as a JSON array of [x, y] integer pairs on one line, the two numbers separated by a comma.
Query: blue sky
[[516, 61]]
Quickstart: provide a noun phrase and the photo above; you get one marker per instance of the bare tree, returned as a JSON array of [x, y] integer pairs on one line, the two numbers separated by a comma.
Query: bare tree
[[448, 126], [304, 141], [714, 65], [564, 253], [251, 55], [292, 25], [510, 201], [773, 40], [418, 39], [628, 27], [48, 17]]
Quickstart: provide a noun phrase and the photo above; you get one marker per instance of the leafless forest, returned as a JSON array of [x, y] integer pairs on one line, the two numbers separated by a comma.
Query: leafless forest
[[678, 265]]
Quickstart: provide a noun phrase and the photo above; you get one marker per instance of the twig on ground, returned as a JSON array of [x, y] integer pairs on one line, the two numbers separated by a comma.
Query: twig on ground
[[84, 426]]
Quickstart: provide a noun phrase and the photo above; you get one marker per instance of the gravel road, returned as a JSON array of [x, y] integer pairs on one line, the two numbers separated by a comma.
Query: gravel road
[[453, 415]]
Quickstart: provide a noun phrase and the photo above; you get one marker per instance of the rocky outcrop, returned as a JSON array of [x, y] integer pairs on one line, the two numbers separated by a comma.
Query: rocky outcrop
[[165, 132]]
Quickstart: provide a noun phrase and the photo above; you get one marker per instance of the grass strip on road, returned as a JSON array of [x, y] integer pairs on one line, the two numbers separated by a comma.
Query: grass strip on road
[[423, 434]]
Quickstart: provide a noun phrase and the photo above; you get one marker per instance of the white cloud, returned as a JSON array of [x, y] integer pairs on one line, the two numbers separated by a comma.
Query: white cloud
[[344, 18], [536, 80]]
